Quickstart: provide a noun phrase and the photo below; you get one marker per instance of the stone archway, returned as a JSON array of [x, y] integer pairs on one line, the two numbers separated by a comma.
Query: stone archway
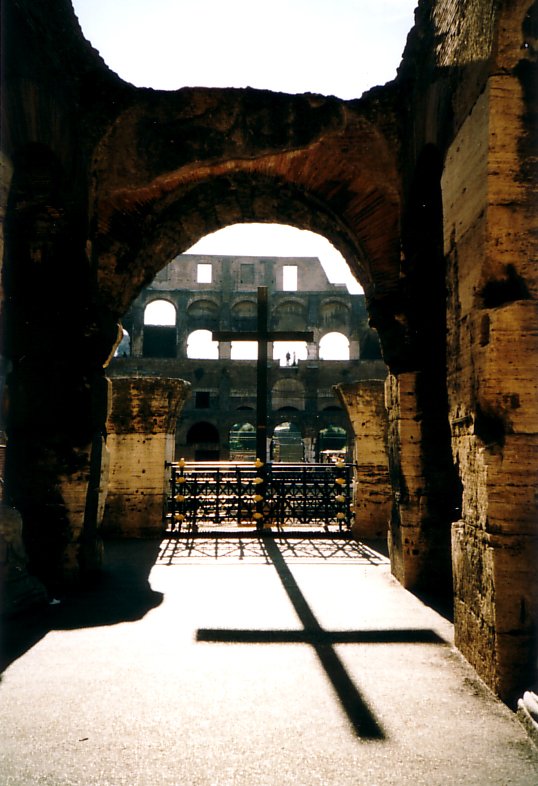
[[144, 174], [203, 440], [292, 178]]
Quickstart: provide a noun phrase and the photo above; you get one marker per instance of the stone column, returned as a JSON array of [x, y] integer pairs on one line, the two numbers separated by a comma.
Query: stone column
[[354, 349], [416, 551], [141, 438], [225, 350], [364, 402]]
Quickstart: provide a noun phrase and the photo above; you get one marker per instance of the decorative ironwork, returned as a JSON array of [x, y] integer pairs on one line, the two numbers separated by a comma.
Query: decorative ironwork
[[225, 494]]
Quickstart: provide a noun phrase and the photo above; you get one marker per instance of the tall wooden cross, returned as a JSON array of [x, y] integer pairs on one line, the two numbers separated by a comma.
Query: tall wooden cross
[[262, 335]]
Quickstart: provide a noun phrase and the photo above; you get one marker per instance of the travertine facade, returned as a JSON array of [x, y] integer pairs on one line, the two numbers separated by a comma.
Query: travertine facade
[[427, 187]]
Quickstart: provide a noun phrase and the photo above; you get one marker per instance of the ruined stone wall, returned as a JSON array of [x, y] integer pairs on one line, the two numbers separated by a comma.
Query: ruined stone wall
[[489, 200], [468, 68]]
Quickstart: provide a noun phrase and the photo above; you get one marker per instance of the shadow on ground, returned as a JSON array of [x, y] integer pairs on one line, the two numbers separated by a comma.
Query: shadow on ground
[[120, 593]]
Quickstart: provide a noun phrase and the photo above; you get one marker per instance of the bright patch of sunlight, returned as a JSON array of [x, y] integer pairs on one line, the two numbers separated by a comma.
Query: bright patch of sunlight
[[334, 346], [289, 352], [200, 346], [160, 312], [244, 350]]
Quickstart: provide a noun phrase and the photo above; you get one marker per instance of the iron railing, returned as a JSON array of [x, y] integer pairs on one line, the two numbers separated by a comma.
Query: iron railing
[[206, 495]]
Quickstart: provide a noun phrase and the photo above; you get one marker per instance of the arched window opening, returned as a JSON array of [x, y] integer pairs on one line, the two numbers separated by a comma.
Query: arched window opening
[[287, 444], [242, 442], [288, 393], [244, 350], [203, 314], [204, 441], [290, 315], [160, 312], [334, 346], [332, 444], [334, 314], [160, 338], [200, 346], [289, 353], [123, 350], [244, 315]]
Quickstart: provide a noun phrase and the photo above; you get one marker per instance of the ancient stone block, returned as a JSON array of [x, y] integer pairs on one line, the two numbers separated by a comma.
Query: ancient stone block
[[496, 606], [141, 440]]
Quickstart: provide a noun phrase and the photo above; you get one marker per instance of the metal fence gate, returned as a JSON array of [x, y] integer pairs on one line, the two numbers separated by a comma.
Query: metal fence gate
[[222, 495]]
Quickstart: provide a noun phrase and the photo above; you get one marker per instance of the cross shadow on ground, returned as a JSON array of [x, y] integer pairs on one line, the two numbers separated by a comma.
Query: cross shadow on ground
[[360, 715], [120, 593]]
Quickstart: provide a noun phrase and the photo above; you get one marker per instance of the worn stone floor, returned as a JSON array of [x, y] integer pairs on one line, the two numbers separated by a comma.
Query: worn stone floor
[[253, 661]]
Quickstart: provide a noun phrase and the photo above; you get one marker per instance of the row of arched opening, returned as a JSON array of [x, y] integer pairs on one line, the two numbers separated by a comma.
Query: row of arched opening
[[287, 443], [332, 346], [200, 346]]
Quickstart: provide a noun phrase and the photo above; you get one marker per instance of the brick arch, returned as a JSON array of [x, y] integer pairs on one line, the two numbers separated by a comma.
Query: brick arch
[[160, 299], [335, 315], [290, 314], [176, 167], [203, 311], [244, 307]]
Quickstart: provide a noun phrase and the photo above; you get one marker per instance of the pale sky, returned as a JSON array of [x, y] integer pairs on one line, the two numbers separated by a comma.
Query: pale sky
[[332, 47]]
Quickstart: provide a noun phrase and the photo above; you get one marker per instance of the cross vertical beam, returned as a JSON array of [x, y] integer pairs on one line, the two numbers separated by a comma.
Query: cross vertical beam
[[263, 336], [261, 376]]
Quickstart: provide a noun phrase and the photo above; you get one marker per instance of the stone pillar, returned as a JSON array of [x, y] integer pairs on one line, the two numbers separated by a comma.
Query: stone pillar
[[309, 443], [312, 347], [56, 471], [365, 405], [225, 350], [354, 349], [412, 534], [141, 438]]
